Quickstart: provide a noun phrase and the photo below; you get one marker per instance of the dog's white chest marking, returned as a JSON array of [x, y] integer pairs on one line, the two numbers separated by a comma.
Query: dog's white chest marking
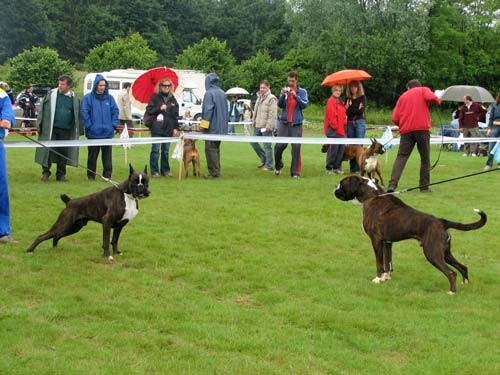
[[371, 164], [131, 209]]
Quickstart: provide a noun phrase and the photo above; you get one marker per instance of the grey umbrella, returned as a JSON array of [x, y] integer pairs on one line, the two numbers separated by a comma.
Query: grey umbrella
[[457, 93]]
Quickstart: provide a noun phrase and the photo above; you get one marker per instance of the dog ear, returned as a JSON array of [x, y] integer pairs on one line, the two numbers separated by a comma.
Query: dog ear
[[145, 169], [354, 182], [131, 169]]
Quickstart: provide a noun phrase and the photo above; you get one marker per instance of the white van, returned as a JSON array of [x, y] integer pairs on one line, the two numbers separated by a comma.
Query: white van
[[190, 99]]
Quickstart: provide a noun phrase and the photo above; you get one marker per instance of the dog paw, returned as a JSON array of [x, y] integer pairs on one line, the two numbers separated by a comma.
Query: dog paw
[[465, 281], [378, 280]]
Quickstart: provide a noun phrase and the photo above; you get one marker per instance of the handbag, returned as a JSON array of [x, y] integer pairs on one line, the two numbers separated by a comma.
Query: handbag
[[496, 122], [149, 119]]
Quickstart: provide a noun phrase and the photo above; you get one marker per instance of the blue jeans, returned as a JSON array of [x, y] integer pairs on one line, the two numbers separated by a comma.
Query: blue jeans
[[231, 129], [356, 130], [4, 194], [155, 153], [266, 154], [495, 133]]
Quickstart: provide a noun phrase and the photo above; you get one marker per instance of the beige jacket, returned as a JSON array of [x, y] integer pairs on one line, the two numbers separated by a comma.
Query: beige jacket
[[265, 112], [124, 105]]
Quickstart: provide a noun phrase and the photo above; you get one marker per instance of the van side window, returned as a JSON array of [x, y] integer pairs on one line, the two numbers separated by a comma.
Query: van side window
[[113, 85], [186, 96]]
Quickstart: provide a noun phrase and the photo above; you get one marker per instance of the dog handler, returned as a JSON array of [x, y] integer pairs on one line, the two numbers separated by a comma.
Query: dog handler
[[6, 121], [215, 117], [412, 116]]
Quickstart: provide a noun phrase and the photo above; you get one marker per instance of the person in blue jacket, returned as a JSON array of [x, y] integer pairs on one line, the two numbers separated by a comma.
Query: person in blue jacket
[[99, 113], [215, 117], [293, 100], [6, 121]]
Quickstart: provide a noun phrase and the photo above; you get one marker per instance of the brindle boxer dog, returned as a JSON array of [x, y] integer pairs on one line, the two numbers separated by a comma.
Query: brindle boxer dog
[[386, 219], [114, 207]]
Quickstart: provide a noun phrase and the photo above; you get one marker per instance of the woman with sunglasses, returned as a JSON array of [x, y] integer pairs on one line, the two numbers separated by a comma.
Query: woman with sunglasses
[[162, 117]]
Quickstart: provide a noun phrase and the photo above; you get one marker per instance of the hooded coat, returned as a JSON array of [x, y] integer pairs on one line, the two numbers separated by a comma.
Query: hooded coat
[[215, 109], [99, 113], [45, 126]]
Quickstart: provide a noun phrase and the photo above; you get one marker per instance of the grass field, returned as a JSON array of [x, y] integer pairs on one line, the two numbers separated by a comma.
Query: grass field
[[249, 274]]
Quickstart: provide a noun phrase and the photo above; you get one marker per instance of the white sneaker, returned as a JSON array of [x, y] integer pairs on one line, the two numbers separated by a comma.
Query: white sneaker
[[473, 155], [464, 155], [487, 168]]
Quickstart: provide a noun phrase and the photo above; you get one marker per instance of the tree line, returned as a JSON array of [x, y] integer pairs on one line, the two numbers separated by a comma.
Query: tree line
[[440, 42]]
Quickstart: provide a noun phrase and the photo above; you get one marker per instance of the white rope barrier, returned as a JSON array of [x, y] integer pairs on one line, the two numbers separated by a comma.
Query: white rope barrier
[[233, 138]]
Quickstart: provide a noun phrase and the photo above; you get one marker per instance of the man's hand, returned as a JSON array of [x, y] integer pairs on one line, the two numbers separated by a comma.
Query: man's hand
[[5, 124]]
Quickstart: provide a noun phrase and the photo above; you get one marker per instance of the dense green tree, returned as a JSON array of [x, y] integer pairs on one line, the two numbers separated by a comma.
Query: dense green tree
[[23, 25], [253, 70], [79, 26], [36, 66], [130, 52], [209, 55]]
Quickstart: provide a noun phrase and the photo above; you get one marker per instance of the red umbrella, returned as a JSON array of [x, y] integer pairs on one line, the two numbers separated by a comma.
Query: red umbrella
[[145, 85], [345, 76]]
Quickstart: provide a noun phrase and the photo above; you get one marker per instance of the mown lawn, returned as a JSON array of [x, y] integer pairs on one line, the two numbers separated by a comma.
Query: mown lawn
[[249, 274]]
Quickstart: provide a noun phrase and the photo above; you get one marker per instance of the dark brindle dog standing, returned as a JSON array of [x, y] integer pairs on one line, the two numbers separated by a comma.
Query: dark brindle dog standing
[[387, 219], [114, 207]]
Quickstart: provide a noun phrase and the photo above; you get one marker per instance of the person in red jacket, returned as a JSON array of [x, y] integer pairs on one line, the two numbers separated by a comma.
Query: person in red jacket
[[468, 119], [412, 116], [335, 122]]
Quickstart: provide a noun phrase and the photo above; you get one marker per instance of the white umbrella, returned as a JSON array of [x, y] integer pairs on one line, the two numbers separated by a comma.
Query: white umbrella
[[237, 91], [457, 93]]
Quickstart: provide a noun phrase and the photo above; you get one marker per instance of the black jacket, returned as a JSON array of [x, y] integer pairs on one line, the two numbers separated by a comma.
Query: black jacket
[[153, 117]]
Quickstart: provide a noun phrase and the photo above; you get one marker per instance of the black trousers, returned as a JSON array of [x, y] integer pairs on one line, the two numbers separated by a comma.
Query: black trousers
[[212, 153], [107, 161], [288, 130], [58, 134], [407, 143]]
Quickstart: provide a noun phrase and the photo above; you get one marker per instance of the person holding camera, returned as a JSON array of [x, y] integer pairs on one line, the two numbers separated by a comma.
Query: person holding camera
[[293, 100]]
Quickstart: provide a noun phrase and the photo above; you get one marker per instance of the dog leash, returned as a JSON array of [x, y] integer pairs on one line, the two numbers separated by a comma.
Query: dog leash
[[115, 184], [441, 182]]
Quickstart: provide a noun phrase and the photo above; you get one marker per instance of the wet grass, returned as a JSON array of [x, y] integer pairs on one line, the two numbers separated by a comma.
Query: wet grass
[[250, 274]]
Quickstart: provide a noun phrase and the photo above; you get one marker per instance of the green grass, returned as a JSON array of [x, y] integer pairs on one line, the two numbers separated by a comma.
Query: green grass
[[249, 274]]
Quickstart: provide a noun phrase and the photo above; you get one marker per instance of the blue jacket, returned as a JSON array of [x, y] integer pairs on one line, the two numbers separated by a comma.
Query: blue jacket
[[302, 102], [215, 109], [99, 113], [6, 111]]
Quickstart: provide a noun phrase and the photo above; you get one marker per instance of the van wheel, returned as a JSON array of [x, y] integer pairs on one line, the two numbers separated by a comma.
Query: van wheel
[[197, 117]]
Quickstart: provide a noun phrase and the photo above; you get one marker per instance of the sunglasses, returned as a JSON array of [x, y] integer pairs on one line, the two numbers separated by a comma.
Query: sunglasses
[[167, 85]]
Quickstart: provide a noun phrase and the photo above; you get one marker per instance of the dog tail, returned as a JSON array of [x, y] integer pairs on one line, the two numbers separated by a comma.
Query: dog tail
[[65, 199], [476, 225]]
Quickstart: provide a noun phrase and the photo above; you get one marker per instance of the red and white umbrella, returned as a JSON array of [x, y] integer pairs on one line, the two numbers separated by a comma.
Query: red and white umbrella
[[146, 85]]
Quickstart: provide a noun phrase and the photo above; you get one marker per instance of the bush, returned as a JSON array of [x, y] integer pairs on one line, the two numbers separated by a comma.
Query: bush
[[35, 66], [121, 53]]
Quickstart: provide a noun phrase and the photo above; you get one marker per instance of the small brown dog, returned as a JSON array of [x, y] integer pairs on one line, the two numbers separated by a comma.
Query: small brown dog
[[191, 155], [353, 152], [370, 163], [366, 158]]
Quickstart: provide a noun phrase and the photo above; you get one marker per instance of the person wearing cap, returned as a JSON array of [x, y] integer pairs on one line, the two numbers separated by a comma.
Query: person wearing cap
[[27, 101]]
